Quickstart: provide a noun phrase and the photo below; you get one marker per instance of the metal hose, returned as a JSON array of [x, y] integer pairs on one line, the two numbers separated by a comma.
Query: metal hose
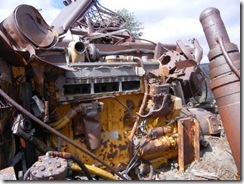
[[66, 119], [82, 166]]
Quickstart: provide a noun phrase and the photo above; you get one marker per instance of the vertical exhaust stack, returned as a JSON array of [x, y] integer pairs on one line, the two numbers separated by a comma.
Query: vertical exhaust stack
[[224, 74]]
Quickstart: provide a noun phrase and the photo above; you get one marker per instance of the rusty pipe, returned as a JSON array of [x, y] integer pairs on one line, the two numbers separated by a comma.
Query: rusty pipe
[[224, 83], [154, 146], [159, 131], [27, 113], [142, 107], [70, 14], [140, 60], [227, 58]]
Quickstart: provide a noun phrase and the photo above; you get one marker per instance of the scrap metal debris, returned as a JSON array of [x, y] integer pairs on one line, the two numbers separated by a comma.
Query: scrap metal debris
[[111, 106]]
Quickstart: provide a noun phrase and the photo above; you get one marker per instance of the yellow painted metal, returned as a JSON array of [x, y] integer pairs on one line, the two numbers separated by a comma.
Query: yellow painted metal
[[116, 128], [94, 171], [115, 131], [168, 142], [19, 72]]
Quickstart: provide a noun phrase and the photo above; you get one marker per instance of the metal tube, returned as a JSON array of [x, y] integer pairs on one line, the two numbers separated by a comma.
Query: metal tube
[[143, 104], [224, 83], [157, 145], [213, 26], [227, 58], [71, 13], [127, 51]]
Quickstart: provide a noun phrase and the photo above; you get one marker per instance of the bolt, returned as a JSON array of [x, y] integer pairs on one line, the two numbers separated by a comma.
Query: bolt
[[58, 165], [42, 168]]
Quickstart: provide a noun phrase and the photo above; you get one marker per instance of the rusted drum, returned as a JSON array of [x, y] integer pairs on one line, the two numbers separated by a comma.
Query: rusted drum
[[25, 28]]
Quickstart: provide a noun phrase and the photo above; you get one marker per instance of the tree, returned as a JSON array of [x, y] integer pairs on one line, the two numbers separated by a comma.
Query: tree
[[133, 25]]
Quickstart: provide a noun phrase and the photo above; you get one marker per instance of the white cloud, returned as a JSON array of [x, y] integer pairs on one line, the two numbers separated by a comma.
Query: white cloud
[[167, 21], [48, 11]]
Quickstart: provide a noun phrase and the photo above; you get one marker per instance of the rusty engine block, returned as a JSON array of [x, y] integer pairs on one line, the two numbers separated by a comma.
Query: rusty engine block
[[107, 105]]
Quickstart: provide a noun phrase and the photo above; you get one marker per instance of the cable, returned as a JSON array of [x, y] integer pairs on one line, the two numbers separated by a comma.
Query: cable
[[82, 166]]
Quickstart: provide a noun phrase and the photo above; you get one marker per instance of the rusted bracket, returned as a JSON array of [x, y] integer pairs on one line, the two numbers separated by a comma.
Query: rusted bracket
[[188, 142]]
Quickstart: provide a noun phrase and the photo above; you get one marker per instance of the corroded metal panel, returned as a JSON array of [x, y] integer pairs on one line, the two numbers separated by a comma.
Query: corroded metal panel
[[188, 142]]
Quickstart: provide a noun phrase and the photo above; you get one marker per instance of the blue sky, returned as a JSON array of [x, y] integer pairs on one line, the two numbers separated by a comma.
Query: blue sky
[[58, 4], [164, 21]]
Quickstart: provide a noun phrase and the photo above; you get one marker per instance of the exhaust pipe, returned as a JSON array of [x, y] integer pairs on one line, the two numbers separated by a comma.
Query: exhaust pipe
[[224, 74], [75, 52]]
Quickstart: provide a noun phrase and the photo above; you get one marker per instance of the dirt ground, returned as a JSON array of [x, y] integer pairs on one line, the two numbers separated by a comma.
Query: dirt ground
[[216, 163]]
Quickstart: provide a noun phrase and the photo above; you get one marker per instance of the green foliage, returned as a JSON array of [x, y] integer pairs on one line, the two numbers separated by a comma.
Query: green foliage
[[133, 25]]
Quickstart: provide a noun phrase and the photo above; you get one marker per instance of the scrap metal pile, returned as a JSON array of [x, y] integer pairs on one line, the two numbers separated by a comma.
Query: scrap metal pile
[[109, 106]]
